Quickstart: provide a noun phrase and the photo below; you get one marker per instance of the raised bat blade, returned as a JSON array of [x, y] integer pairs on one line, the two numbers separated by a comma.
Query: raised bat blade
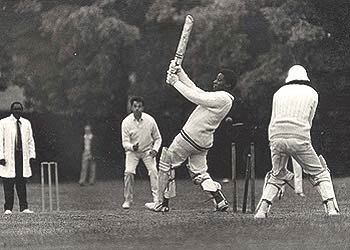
[[185, 35]]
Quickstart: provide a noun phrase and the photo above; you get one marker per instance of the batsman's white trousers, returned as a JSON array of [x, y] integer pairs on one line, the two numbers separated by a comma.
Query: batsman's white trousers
[[179, 151], [197, 159], [132, 159]]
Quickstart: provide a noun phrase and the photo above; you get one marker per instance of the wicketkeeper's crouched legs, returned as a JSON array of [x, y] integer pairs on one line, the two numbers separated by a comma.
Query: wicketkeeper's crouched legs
[[272, 186], [316, 167], [276, 178], [322, 182], [324, 186]]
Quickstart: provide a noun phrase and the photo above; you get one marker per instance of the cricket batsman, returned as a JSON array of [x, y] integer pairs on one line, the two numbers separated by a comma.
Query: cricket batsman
[[196, 137], [293, 109]]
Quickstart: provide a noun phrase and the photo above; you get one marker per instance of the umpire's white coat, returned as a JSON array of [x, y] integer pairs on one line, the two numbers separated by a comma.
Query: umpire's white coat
[[8, 130]]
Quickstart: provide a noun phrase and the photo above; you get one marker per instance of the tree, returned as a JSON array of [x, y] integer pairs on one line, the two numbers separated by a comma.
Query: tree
[[81, 60]]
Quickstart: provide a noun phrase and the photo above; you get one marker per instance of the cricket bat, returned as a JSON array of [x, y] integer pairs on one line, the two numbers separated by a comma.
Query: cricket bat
[[185, 35]]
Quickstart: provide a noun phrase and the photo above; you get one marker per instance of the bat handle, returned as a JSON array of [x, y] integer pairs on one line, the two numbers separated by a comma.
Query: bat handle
[[177, 63], [178, 59]]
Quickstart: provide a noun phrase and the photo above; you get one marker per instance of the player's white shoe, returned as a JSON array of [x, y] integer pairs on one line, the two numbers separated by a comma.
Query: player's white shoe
[[27, 211], [333, 213], [7, 212], [150, 205], [126, 205], [331, 210], [260, 215]]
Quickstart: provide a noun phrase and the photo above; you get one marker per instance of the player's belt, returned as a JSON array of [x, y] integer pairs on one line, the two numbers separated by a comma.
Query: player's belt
[[192, 142]]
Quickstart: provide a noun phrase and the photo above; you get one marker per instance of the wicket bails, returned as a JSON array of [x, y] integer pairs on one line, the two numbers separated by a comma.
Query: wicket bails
[[49, 165]]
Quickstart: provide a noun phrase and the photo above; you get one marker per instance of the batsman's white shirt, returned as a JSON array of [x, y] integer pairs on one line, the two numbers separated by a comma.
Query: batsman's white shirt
[[204, 120], [293, 110], [145, 132]]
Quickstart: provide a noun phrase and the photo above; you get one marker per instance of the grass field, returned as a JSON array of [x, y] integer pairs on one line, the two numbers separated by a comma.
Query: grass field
[[92, 218]]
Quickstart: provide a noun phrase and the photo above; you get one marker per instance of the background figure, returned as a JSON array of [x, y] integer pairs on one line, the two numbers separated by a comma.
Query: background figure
[[293, 109], [88, 158], [141, 140], [17, 156]]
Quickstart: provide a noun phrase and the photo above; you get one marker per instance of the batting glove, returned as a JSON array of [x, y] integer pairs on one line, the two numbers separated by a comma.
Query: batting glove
[[171, 78], [179, 71], [174, 68]]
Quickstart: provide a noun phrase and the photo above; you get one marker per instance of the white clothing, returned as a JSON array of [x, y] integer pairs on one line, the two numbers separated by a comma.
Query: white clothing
[[293, 110], [8, 132]]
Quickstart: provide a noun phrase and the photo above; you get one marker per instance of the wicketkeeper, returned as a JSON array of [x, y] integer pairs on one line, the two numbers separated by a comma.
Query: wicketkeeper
[[196, 137], [293, 110]]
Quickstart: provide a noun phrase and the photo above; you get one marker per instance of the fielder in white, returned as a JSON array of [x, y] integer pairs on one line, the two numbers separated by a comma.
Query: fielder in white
[[196, 137], [293, 110], [141, 140]]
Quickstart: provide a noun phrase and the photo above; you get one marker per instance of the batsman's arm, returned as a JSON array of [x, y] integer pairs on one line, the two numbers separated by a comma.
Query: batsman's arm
[[127, 145], [183, 77], [207, 99]]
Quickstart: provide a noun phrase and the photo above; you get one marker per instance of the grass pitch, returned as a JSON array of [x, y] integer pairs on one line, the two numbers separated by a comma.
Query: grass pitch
[[92, 218]]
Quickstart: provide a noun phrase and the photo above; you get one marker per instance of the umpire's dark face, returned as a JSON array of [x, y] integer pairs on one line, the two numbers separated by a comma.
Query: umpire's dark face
[[17, 110], [219, 82], [137, 109]]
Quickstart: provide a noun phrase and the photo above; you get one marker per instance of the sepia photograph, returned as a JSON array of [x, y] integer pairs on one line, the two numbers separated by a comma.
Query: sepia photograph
[[174, 124]]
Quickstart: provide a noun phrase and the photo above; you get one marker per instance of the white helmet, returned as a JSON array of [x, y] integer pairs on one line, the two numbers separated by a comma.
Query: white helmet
[[297, 73]]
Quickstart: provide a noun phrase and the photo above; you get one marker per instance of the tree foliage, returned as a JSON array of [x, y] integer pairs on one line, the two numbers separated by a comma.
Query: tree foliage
[[77, 58]]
